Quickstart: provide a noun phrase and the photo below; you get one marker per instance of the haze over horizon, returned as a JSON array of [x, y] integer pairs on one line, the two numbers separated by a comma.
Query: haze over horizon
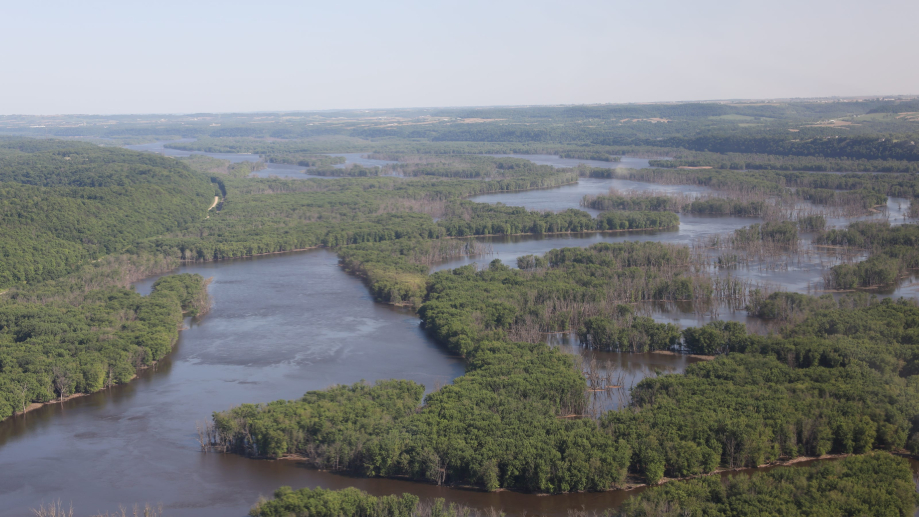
[[115, 58]]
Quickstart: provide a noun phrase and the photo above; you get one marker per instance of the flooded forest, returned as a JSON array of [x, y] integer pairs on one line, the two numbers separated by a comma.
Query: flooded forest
[[655, 309]]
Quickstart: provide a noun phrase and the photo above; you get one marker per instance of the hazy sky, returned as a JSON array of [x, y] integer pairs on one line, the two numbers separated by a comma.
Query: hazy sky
[[178, 57]]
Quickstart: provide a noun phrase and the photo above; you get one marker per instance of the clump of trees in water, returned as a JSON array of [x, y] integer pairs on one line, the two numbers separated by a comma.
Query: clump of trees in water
[[892, 249], [305, 159], [836, 194], [630, 200], [589, 155], [465, 218]]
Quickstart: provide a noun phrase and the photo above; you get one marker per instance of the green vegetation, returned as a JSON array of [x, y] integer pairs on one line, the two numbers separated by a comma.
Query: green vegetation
[[771, 162], [877, 484], [56, 349], [853, 194], [353, 502], [306, 160], [61, 209], [893, 249], [466, 219], [864, 402], [721, 206], [836, 377], [784, 233]]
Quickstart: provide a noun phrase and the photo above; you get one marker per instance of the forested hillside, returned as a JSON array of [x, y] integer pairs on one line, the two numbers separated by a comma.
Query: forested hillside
[[61, 207]]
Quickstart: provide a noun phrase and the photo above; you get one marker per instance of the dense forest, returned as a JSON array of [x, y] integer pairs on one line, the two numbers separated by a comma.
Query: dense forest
[[62, 208], [857, 356], [835, 376], [876, 484], [892, 251], [53, 350]]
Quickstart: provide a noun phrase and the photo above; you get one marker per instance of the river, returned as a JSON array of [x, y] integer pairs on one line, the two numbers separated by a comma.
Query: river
[[280, 325]]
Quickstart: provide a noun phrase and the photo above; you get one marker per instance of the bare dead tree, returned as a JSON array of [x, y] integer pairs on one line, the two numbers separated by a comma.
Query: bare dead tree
[[53, 509], [63, 381], [22, 389]]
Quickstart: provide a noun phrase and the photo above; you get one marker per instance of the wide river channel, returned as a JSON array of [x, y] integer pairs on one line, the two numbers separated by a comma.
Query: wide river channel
[[282, 325]]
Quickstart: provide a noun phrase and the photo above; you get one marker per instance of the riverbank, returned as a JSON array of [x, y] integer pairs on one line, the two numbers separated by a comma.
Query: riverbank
[[38, 405]]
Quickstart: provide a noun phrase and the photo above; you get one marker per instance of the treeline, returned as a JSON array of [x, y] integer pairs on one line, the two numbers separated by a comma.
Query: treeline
[[53, 350], [305, 159], [209, 165], [877, 484], [736, 161], [888, 147], [354, 170], [774, 182], [351, 502], [712, 205], [396, 270], [589, 155], [873, 485], [896, 107], [465, 218]]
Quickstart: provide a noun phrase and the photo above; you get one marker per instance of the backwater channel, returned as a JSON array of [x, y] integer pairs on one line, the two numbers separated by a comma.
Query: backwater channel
[[282, 325]]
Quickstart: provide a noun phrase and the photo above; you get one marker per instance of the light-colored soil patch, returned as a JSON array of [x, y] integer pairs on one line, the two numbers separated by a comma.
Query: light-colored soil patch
[[694, 356], [651, 120], [478, 120], [833, 123], [35, 405], [688, 167]]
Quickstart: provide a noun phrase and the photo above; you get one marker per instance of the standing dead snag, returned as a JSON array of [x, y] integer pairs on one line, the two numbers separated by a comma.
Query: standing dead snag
[[63, 381]]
